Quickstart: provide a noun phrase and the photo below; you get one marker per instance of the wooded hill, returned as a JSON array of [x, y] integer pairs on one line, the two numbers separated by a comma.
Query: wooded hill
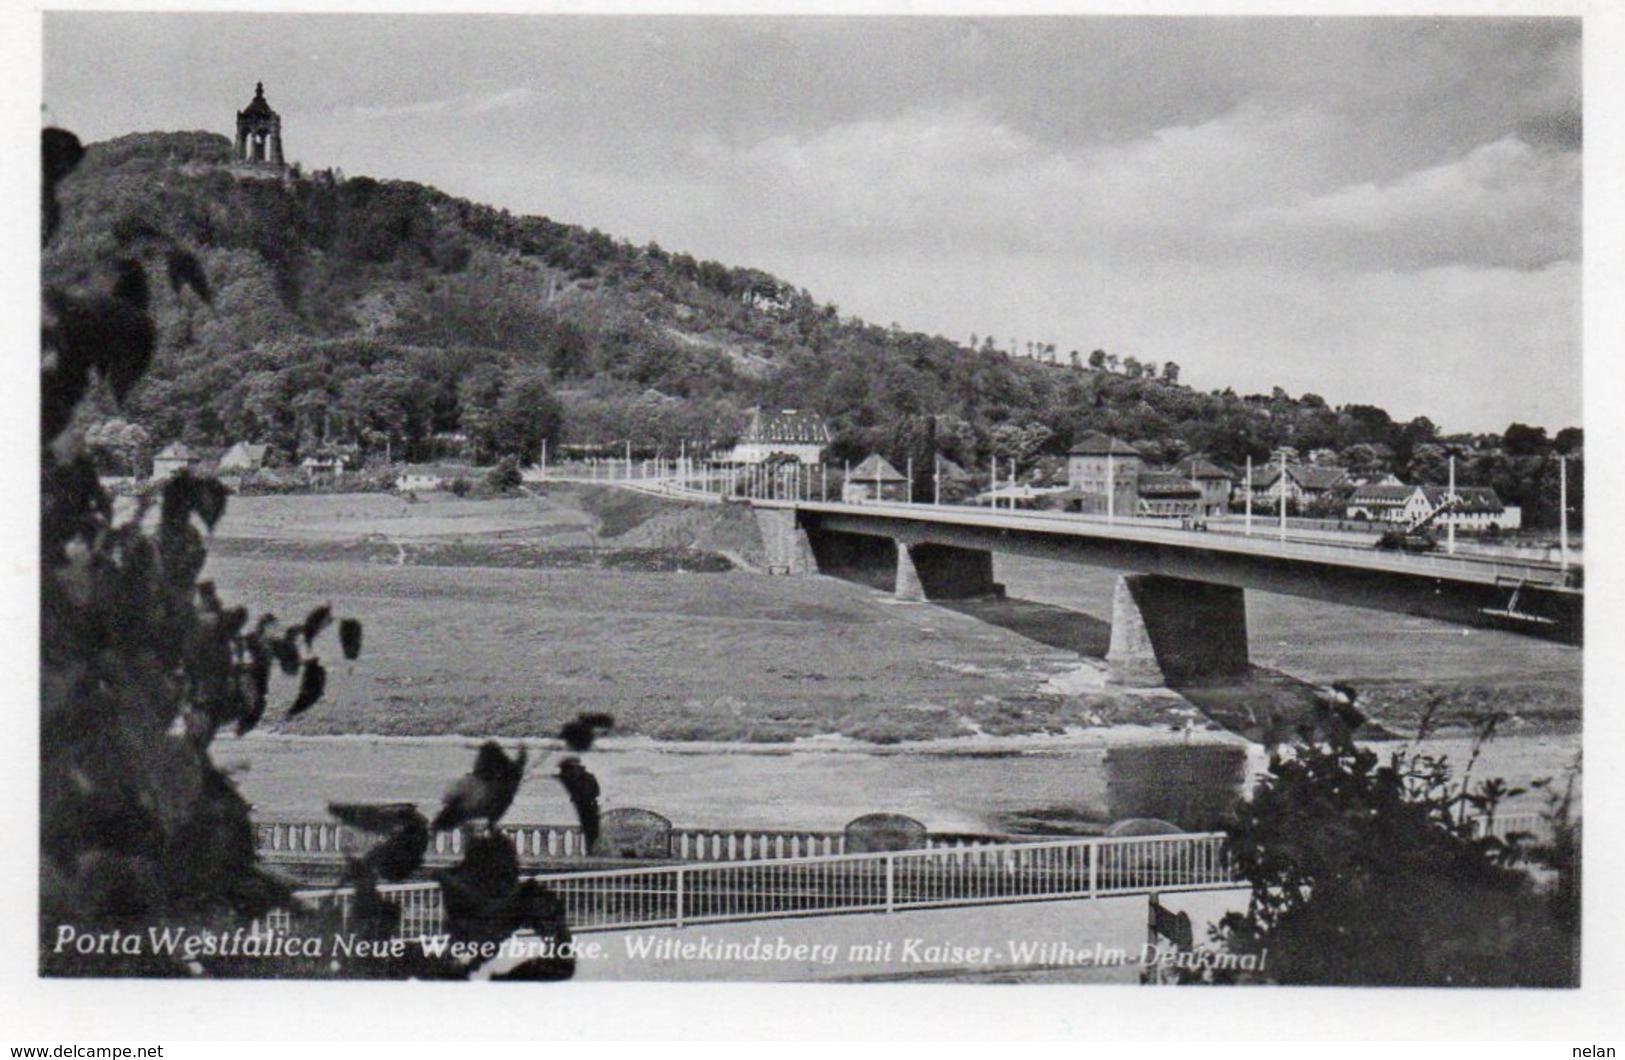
[[384, 313]]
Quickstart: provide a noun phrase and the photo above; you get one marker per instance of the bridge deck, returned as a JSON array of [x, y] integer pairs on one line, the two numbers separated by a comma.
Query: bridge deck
[[1263, 542]]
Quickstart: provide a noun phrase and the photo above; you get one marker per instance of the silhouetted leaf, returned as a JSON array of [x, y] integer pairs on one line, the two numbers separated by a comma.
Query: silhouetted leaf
[[317, 621], [60, 152], [185, 271], [579, 733], [350, 637], [133, 228], [258, 672], [312, 683], [286, 650]]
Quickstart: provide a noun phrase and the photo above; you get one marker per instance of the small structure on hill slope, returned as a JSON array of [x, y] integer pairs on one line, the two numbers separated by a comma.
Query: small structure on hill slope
[[259, 134]]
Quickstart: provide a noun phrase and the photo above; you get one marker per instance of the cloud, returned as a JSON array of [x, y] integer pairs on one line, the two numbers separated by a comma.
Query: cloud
[[462, 105], [1253, 184], [1504, 204]]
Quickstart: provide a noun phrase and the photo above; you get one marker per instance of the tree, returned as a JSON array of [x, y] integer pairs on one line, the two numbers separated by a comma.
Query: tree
[[141, 666], [118, 447], [141, 663], [1170, 373], [1521, 439], [1020, 443], [1568, 440], [526, 413], [1365, 458], [1371, 873], [1097, 360], [1429, 464]]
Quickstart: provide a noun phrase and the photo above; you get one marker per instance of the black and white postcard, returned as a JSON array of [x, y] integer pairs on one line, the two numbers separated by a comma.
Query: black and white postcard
[[949, 509]]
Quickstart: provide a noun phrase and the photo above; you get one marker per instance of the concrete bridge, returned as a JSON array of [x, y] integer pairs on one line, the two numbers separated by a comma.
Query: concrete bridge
[[1179, 612]]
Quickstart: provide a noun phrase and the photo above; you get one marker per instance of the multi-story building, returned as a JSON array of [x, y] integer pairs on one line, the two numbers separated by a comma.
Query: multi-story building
[[1098, 464]]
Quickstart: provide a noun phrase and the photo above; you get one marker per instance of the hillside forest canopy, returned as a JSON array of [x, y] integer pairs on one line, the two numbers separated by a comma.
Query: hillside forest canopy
[[388, 317]]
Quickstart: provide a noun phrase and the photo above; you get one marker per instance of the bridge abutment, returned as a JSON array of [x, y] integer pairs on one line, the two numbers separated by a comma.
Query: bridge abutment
[[785, 542], [1176, 631]]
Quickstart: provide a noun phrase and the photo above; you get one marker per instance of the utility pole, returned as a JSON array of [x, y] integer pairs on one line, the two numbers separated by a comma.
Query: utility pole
[[910, 476], [1111, 485], [1248, 494], [1280, 500], [1563, 512], [936, 480], [1449, 515]]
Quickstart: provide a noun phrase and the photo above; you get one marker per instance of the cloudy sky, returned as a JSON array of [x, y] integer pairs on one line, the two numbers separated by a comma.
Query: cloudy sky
[[1382, 210]]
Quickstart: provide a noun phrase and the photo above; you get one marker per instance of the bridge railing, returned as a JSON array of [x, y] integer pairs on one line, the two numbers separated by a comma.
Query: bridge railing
[[330, 840], [675, 895]]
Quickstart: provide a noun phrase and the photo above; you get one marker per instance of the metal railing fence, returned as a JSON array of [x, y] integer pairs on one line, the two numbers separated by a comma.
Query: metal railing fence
[[682, 894]]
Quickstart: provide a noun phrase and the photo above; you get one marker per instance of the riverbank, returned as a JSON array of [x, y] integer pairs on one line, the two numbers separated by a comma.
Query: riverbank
[[986, 785]]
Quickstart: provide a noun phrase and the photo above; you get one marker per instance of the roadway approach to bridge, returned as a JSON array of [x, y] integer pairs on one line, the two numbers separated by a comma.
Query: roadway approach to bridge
[[1178, 614]]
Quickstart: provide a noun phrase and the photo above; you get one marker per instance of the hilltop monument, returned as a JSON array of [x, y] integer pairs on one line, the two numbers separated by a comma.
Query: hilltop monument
[[259, 133]]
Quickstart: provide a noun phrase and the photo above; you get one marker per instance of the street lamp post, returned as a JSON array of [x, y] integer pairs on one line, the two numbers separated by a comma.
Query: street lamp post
[[1111, 486], [1563, 512], [1449, 515], [1248, 495], [1280, 497]]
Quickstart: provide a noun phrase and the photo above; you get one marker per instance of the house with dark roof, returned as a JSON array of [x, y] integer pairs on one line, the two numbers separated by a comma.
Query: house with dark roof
[[242, 458], [1301, 484], [874, 480], [1214, 482], [1382, 503], [785, 433], [1167, 494], [1475, 508], [1099, 463]]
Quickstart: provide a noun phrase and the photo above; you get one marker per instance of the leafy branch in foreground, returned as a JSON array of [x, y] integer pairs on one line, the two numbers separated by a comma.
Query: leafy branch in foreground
[[1372, 872], [142, 663]]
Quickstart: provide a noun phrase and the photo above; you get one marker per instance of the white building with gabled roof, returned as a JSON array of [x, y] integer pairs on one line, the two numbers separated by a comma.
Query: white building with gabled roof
[[785, 433]]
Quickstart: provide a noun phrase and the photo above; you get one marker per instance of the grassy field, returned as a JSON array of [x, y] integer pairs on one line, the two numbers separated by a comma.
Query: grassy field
[[732, 656], [504, 642]]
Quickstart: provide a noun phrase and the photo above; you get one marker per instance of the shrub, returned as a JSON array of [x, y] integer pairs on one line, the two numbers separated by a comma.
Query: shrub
[[1371, 873]]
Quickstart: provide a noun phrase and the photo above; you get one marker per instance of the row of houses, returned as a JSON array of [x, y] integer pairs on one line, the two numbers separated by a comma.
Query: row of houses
[[319, 466], [1106, 474], [240, 459], [1100, 467]]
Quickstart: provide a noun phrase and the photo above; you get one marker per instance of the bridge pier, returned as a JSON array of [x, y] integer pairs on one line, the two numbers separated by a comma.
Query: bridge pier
[[1176, 631], [944, 572]]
